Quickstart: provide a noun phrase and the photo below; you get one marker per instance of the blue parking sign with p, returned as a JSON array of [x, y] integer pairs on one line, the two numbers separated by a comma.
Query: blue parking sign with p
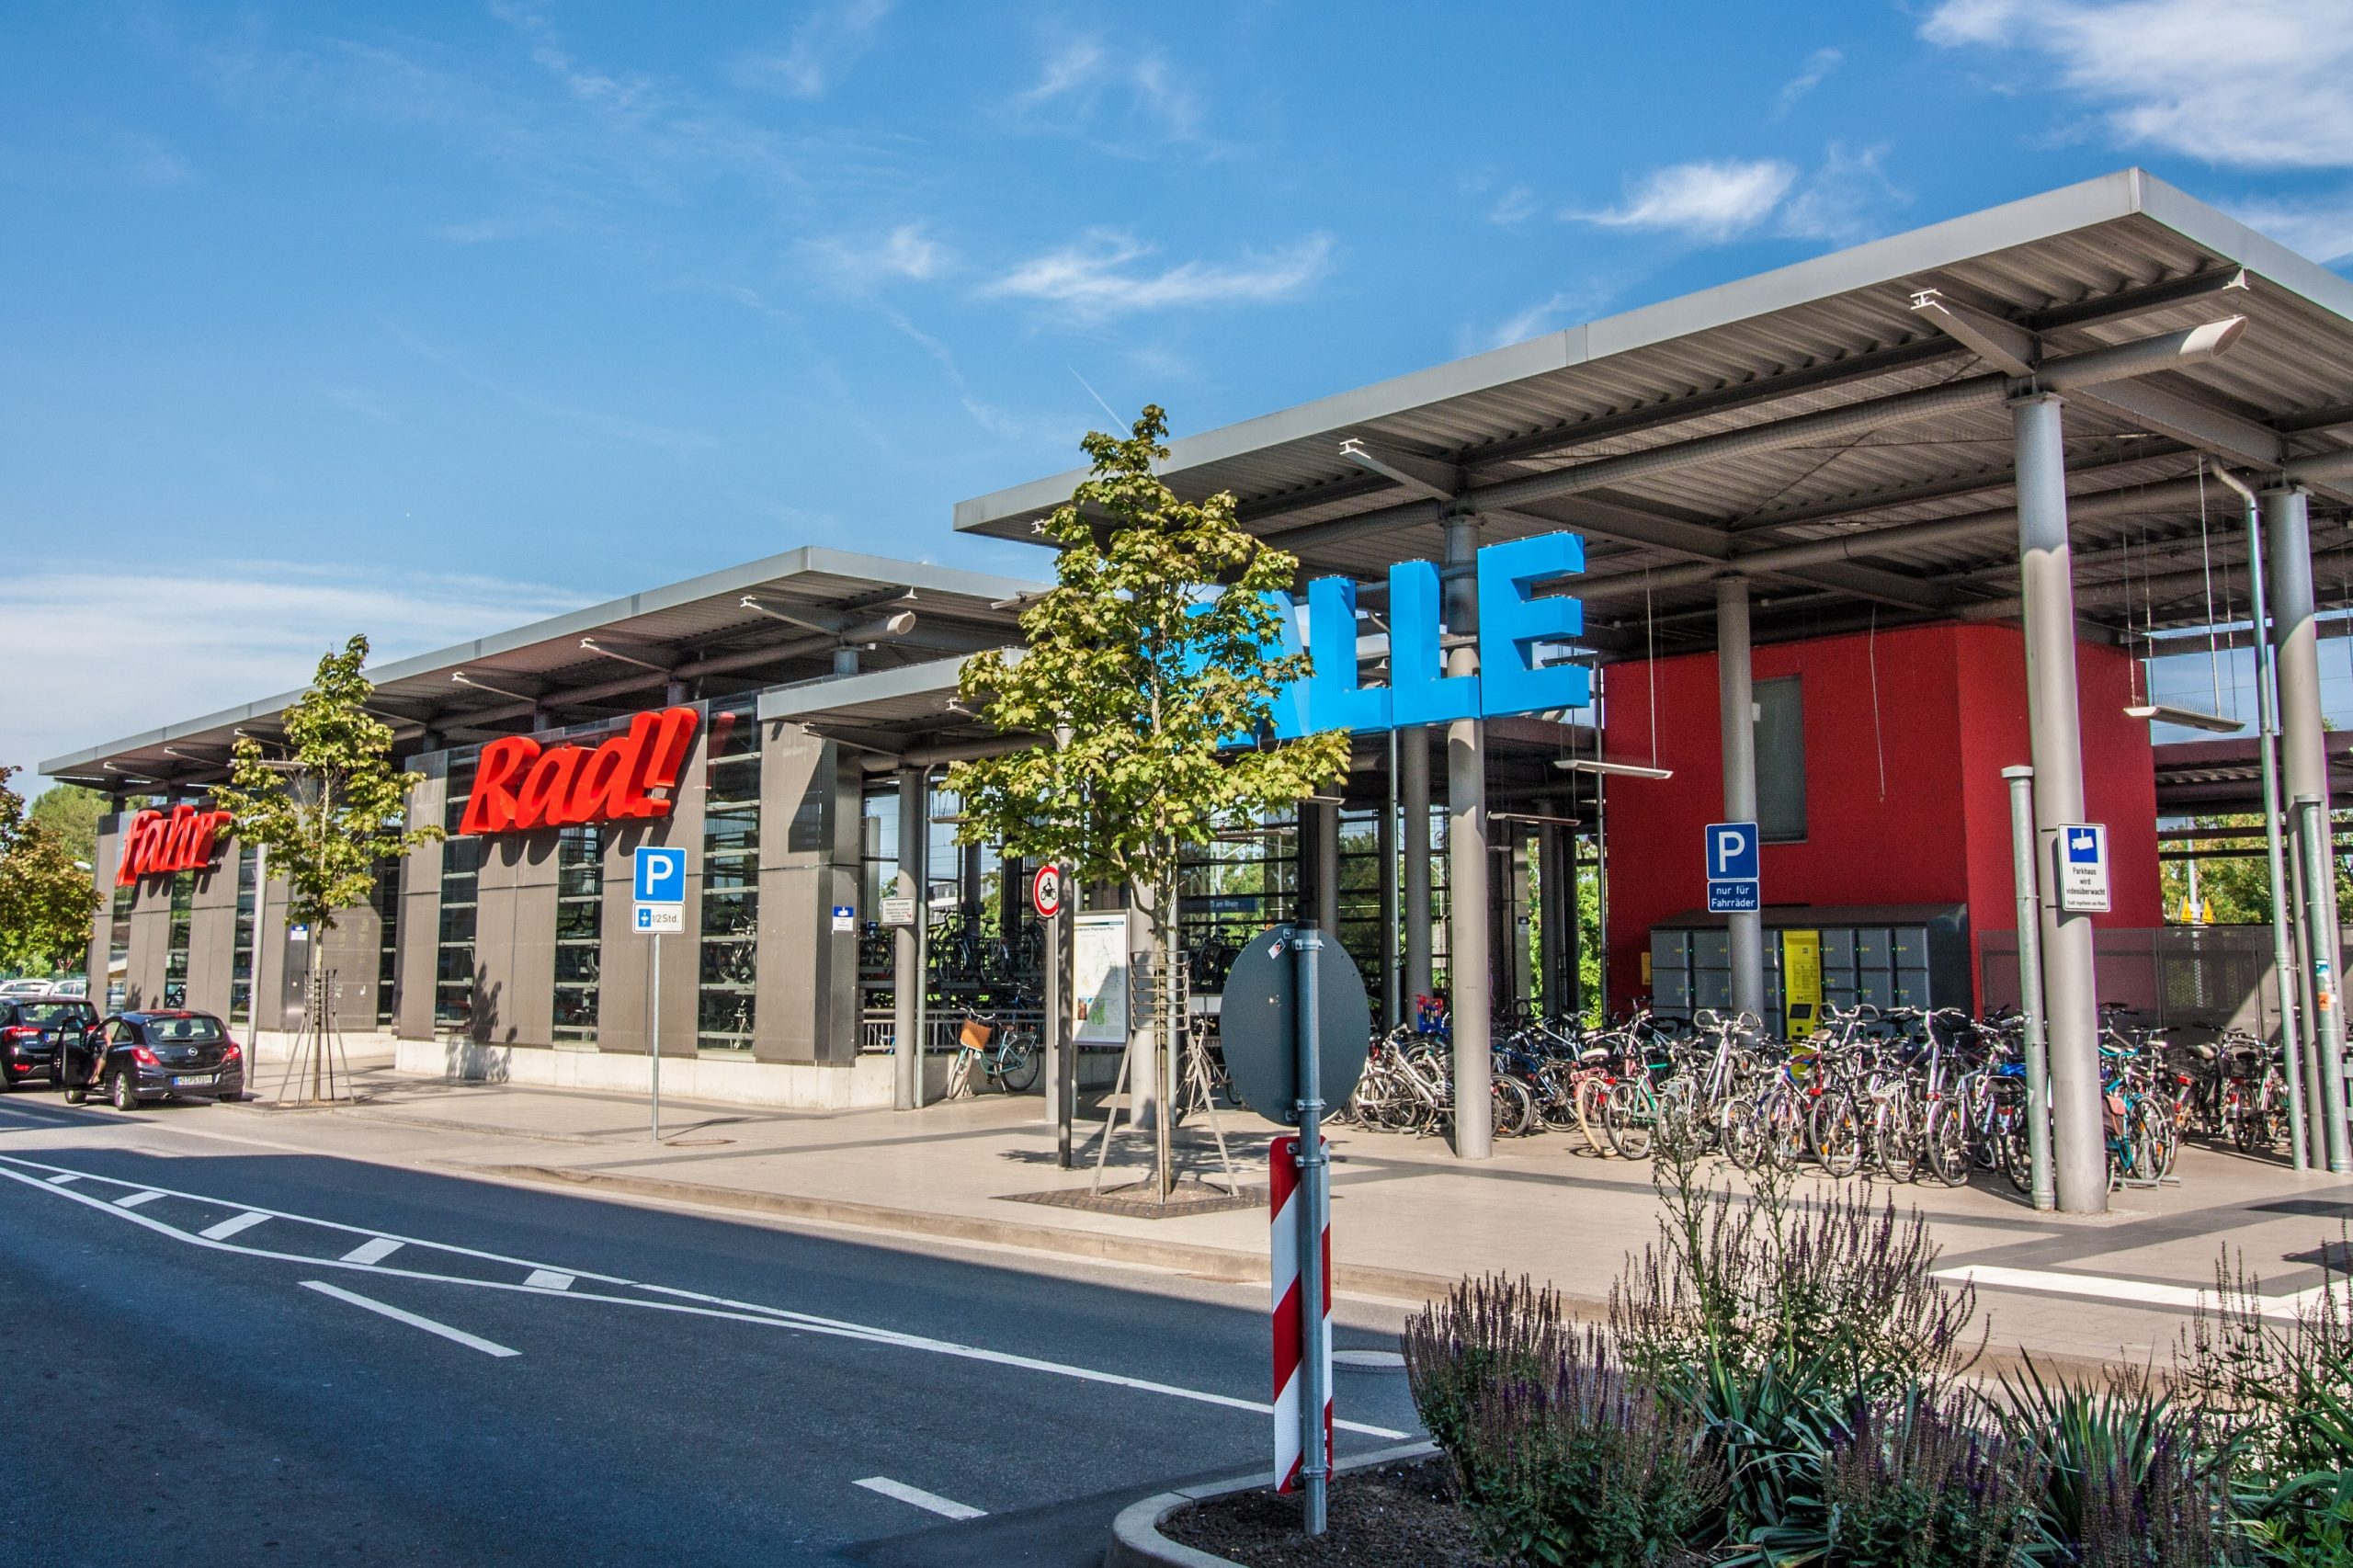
[[1732, 851], [660, 876]]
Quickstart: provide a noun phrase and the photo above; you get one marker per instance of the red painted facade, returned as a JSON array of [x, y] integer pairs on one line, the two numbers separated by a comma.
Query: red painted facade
[[1948, 715]]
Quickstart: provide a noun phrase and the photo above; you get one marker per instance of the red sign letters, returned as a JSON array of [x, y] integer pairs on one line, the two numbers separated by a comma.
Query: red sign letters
[[154, 845], [518, 786]]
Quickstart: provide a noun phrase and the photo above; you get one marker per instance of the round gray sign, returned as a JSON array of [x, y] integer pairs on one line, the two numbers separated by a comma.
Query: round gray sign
[[1258, 1021]]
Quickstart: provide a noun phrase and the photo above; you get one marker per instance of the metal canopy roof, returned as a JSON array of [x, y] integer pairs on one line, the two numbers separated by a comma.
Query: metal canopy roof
[[2110, 261], [2219, 778], [700, 633]]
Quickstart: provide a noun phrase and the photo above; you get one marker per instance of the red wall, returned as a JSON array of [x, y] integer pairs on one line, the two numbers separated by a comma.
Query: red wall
[[1904, 799]]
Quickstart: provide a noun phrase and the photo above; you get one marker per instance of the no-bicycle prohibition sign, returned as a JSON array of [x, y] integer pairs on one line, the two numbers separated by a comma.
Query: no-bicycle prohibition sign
[[1046, 890]]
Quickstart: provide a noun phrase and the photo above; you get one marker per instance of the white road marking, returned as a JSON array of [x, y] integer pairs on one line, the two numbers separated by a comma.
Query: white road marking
[[61, 1180], [2108, 1288], [922, 1499], [133, 1200], [693, 1303], [1380, 1361], [457, 1336], [232, 1226], [374, 1251], [547, 1279]]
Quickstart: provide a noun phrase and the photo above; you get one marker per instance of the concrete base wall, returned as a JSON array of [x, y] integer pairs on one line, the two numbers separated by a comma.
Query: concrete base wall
[[862, 1084]]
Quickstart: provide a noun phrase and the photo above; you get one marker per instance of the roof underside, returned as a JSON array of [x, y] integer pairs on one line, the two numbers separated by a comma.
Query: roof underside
[[700, 633], [2111, 261]]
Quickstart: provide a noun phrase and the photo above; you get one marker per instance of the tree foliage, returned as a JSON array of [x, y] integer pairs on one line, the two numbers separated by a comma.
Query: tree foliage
[[2237, 887], [70, 812], [335, 806], [1143, 663], [46, 901]]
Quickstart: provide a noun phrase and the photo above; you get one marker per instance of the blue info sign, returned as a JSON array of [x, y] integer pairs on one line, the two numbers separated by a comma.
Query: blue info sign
[[1733, 868], [658, 891]]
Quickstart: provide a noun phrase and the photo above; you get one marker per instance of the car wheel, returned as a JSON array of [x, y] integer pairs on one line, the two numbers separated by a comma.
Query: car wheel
[[124, 1097]]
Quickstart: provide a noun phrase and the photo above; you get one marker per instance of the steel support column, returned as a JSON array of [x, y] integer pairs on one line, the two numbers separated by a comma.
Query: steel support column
[[1414, 805], [2071, 997], [2287, 527], [1468, 959], [1385, 851], [1555, 908], [1737, 703], [906, 943], [1328, 867]]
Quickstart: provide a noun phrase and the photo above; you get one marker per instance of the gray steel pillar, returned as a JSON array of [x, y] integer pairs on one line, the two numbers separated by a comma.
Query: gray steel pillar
[[1737, 703], [2287, 527], [1555, 909], [906, 943], [1385, 850], [2283, 964], [2328, 1016], [1468, 959], [2071, 997], [1327, 869], [1413, 798], [846, 661]]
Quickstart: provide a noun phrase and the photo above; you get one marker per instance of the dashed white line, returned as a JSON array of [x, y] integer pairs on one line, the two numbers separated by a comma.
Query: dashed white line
[[133, 1200], [547, 1279], [232, 1226], [61, 1180], [373, 1251], [946, 1506], [457, 1336]]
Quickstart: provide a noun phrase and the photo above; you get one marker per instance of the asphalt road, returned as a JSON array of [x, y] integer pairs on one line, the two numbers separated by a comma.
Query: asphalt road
[[575, 1380]]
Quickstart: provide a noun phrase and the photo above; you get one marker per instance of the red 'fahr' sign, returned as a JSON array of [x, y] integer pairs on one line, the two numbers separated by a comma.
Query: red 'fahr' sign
[[518, 785], [154, 844]]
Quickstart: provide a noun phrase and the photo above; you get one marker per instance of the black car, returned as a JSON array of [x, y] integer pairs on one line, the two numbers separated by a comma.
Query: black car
[[30, 1027], [151, 1056]]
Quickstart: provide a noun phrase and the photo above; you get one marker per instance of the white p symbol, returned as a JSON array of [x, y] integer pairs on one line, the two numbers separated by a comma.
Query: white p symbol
[[1728, 844]]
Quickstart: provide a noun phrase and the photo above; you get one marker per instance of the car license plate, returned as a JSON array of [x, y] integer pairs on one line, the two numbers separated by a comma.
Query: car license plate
[[191, 1078]]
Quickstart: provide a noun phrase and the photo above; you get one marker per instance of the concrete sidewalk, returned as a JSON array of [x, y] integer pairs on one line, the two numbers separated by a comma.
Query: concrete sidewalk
[[1407, 1219]]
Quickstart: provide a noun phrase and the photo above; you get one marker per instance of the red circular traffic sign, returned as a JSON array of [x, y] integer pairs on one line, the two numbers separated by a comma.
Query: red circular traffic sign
[[1046, 892]]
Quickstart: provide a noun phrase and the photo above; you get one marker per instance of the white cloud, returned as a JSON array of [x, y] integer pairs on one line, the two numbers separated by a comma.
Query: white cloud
[[905, 253], [1842, 199], [2260, 83], [826, 45], [1097, 279], [1513, 208], [1812, 74], [82, 673], [2322, 229], [1704, 200], [1088, 86]]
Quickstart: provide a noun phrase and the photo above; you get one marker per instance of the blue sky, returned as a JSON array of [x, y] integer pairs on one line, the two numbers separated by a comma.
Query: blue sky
[[315, 320]]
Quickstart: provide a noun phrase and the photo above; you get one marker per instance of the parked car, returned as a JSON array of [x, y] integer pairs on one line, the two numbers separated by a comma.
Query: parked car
[[77, 988], [151, 1056], [29, 1032], [11, 989]]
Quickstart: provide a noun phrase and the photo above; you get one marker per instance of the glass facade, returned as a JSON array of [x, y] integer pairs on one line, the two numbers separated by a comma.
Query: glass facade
[[387, 902], [240, 958], [175, 955], [118, 948], [730, 929], [579, 931], [453, 974]]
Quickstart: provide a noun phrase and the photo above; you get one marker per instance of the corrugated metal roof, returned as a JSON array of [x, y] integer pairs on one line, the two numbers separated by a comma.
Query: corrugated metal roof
[[692, 629], [2102, 263]]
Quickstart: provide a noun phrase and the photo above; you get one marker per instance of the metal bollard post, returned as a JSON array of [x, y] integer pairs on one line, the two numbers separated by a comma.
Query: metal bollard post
[[2038, 1060], [1314, 1469]]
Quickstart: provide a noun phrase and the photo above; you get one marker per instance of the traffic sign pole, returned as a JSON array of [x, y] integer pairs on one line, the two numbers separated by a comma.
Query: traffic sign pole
[[659, 898], [654, 1037], [1314, 1200]]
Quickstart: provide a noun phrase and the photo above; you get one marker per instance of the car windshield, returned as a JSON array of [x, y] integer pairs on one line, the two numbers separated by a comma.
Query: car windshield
[[55, 1015], [195, 1029]]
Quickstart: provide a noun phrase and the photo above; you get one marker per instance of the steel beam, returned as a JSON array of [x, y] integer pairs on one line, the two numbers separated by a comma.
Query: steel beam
[[1466, 862], [2071, 997], [1736, 714], [906, 942], [1414, 805]]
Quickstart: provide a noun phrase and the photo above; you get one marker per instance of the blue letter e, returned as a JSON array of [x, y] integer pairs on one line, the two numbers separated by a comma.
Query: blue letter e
[[1512, 620]]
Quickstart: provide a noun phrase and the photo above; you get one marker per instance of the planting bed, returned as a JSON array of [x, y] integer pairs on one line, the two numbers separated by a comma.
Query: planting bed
[[1394, 1514]]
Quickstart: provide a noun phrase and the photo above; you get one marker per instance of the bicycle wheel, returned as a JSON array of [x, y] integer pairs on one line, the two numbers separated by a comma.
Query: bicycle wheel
[[1629, 1117], [1514, 1107], [1834, 1133], [2017, 1153], [1895, 1141], [1016, 1069], [1740, 1131], [1947, 1143]]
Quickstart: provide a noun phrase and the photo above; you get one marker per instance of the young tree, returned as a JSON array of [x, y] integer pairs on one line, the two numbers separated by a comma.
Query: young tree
[[46, 899], [1148, 676], [325, 814]]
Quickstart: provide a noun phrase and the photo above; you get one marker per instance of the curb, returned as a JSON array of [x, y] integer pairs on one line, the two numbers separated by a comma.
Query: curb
[[1136, 1540], [1222, 1264]]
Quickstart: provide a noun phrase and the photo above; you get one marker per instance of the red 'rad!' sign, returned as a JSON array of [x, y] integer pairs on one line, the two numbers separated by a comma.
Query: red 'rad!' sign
[[519, 786]]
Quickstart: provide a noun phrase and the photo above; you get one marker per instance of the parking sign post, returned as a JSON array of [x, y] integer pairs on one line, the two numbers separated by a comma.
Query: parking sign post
[[657, 904]]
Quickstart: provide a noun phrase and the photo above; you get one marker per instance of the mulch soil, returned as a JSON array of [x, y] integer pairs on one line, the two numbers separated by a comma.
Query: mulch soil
[[1402, 1513]]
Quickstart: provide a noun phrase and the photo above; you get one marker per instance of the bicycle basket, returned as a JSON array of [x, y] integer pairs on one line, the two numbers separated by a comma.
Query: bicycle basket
[[975, 1035]]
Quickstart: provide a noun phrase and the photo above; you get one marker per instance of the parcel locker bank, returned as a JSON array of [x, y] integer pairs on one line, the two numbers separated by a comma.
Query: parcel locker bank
[[1817, 958]]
